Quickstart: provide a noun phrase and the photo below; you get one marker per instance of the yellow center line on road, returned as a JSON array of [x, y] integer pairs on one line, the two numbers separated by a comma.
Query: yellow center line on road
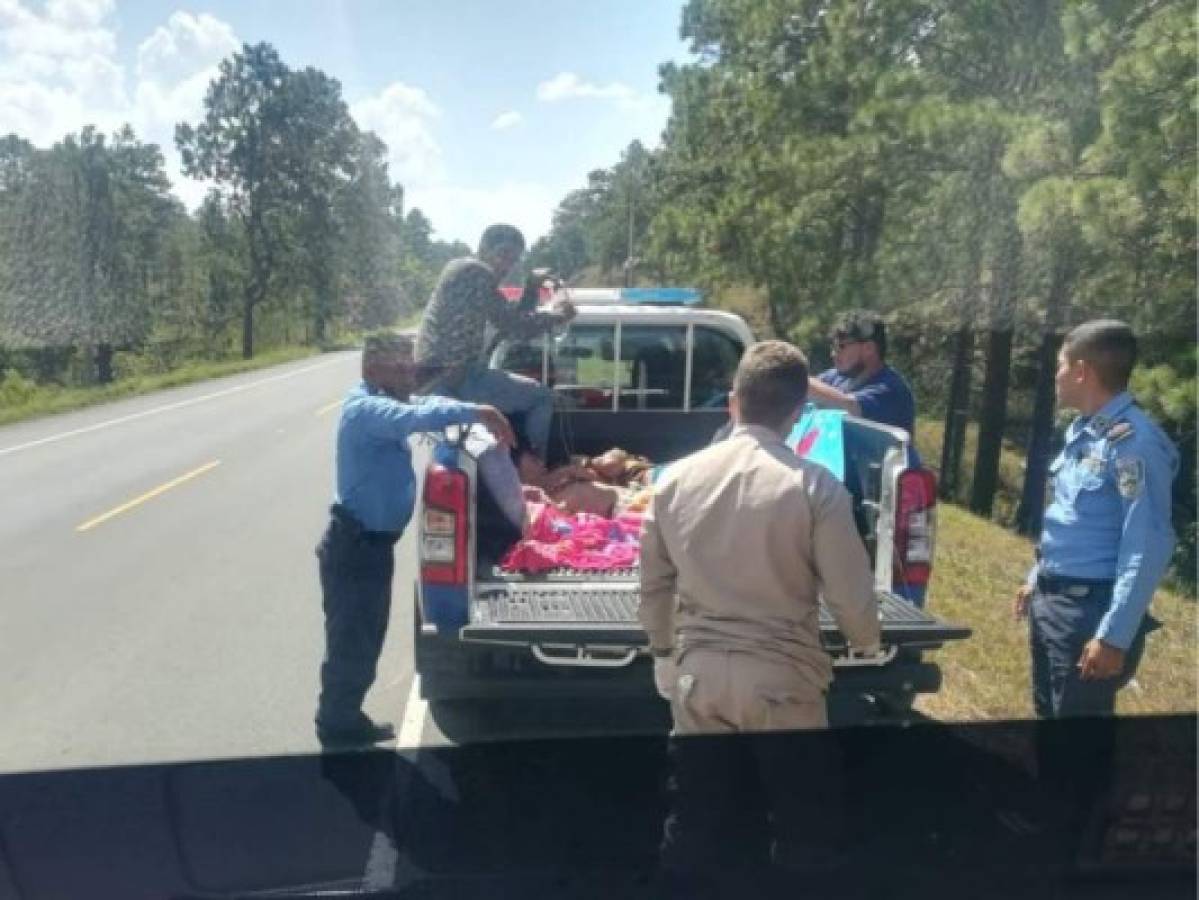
[[149, 495], [329, 408]]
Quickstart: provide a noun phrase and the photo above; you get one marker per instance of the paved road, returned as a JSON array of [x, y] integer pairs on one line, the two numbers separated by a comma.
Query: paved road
[[158, 593]]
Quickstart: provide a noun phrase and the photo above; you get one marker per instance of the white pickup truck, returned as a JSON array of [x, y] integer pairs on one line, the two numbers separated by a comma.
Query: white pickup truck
[[648, 371]]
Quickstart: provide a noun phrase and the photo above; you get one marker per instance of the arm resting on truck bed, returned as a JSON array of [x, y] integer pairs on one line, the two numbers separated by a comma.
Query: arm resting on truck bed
[[386, 418], [844, 570]]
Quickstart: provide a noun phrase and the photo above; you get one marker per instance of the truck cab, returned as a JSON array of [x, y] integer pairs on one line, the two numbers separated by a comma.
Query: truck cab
[[648, 371]]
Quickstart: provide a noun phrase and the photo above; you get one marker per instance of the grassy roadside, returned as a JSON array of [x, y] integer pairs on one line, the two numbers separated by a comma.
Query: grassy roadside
[[50, 400], [930, 435], [986, 678]]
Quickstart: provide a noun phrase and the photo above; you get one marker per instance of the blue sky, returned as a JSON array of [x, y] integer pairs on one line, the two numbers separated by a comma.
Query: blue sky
[[491, 110]]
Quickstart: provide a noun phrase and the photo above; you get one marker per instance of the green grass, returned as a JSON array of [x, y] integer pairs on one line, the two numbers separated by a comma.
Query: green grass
[[979, 565], [48, 400], [929, 437]]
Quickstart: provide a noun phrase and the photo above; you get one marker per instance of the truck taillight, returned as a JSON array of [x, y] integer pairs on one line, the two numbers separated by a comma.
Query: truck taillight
[[915, 528], [443, 550]]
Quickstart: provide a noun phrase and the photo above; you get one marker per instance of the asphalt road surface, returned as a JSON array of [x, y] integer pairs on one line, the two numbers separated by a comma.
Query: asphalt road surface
[[158, 591]]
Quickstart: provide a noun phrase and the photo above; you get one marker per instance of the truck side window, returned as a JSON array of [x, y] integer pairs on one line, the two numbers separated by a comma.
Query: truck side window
[[582, 366], [653, 366], [713, 362]]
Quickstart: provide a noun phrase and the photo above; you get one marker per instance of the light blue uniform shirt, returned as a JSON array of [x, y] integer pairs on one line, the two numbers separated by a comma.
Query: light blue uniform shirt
[[375, 481], [1110, 514]]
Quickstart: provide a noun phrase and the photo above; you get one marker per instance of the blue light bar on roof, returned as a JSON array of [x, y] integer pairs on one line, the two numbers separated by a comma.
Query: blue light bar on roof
[[671, 296]]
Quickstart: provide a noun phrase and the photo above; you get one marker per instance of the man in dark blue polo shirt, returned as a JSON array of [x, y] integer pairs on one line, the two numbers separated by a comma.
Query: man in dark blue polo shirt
[[372, 504], [861, 382]]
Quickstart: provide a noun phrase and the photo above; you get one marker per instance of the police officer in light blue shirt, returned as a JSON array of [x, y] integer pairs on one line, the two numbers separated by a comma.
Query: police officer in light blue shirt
[[373, 502], [1105, 544]]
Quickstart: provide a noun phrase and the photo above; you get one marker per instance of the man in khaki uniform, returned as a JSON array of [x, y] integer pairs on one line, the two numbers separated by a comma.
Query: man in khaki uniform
[[742, 540]]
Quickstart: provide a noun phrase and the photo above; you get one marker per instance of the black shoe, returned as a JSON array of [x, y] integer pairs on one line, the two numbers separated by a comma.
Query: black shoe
[[359, 734]]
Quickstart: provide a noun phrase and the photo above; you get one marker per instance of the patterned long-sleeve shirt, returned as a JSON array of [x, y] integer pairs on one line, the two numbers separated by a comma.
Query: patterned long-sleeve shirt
[[466, 299]]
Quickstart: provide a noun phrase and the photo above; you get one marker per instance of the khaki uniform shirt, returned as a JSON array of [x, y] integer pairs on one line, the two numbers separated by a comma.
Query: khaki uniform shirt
[[741, 541]]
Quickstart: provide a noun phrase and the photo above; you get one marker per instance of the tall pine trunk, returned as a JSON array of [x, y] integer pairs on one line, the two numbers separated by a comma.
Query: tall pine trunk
[[992, 420], [993, 416], [104, 373], [247, 329], [958, 409], [1040, 446], [957, 413]]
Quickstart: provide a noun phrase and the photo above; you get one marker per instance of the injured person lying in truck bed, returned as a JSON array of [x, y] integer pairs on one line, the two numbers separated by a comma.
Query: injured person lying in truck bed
[[606, 485], [584, 515]]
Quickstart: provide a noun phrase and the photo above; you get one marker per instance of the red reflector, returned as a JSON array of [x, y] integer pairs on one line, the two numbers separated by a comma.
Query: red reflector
[[446, 491], [915, 527]]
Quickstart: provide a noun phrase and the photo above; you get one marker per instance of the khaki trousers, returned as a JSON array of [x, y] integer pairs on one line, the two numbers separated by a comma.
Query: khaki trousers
[[724, 691]]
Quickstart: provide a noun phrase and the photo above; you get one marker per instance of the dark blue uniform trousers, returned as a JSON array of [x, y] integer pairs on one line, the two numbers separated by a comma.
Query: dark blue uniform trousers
[[356, 568], [1076, 733]]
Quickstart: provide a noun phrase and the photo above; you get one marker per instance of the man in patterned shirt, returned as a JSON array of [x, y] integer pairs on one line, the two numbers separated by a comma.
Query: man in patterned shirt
[[453, 333]]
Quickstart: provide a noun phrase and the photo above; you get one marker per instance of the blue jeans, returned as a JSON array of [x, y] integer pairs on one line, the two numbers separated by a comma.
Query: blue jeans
[[513, 395]]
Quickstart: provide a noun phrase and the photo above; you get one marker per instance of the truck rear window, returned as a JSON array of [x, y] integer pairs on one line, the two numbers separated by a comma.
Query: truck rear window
[[650, 374]]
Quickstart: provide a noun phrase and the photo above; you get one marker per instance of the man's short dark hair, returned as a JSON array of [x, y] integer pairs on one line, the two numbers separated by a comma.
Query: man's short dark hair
[[384, 345], [1109, 346], [862, 325], [500, 235], [771, 381], [386, 342]]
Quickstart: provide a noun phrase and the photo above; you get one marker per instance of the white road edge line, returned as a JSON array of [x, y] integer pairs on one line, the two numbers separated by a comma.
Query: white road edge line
[[4, 451], [412, 724]]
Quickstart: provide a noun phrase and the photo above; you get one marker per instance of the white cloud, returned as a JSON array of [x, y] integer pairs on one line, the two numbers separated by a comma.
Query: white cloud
[[175, 65], [406, 118], [65, 30], [506, 120], [569, 86], [402, 116], [91, 12], [185, 45], [59, 71]]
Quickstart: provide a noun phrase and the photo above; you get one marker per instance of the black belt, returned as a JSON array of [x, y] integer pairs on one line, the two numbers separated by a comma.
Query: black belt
[[345, 519], [1074, 588]]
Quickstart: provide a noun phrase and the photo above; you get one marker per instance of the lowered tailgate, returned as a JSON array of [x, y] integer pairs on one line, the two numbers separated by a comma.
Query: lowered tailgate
[[561, 613]]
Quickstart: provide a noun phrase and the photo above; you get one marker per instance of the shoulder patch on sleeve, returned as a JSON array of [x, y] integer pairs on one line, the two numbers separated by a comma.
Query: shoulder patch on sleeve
[[1130, 477], [1120, 430]]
